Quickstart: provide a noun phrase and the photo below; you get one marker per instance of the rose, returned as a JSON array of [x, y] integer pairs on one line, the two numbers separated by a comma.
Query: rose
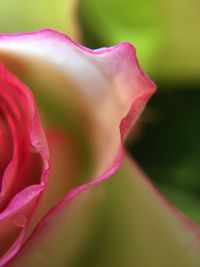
[[88, 100], [104, 82]]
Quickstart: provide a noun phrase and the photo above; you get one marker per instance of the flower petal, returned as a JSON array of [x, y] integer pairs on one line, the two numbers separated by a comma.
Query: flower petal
[[101, 92], [104, 91], [14, 220], [100, 88], [21, 184], [61, 178], [89, 231]]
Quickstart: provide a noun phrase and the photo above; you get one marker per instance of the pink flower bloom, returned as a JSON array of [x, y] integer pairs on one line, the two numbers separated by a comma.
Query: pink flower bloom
[[88, 101], [109, 88]]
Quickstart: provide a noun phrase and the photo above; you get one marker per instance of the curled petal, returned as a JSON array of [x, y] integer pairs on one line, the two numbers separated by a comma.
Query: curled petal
[[105, 91], [121, 222], [25, 175], [105, 88]]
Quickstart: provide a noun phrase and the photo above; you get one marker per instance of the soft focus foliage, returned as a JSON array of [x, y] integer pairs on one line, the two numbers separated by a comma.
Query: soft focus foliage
[[172, 133], [165, 32], [115, 21], [23, 15]]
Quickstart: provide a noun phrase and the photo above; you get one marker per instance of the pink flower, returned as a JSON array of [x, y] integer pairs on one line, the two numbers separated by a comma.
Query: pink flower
[[104, 88], [88, 101]]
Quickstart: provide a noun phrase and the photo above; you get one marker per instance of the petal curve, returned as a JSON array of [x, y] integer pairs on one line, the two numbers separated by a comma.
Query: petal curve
[[154, 236], [99, 82], [107, 86], [20, 197]]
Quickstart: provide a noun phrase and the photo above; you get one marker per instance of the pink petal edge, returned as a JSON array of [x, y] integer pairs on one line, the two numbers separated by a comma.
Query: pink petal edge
[[31, 194], [125, 125], [127, 52]]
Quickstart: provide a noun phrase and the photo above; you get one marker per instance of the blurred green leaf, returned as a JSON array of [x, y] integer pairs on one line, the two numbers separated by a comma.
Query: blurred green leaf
[[110, 22], [188, 202], [169, 150], [23, 15], [165, 33]]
